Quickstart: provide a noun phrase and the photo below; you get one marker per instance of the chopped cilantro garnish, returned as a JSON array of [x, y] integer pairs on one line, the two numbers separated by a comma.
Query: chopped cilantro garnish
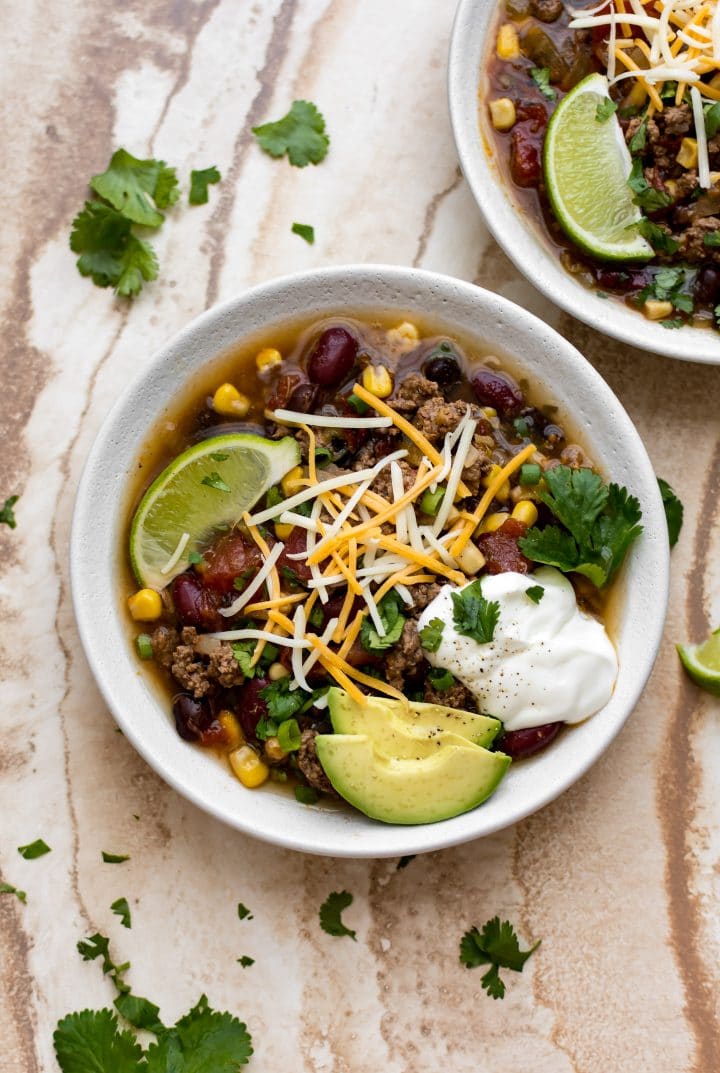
[[637, 142], [330, 910], [598, 294], [675, 322], [98, 946], [599, 523], [122, 909], [604, 110], [647, 197], [712, 119], [282, 702], [657, 236], [431, 635], [7, 888], [33, 850], [109, 251], [243, 912], [497, 946], [440, 679], [712, 238], [667, 285], [199, 182], [535, 593], [300, 134], [474, 616], [306, 795], [115, 858], [305, 231], [214, 480], [219, 456], [7, 515], [243, 653], [673, 511], [317, 617], [521, 426], [541, 78], [392, 620], [265, 728], [245, 961]]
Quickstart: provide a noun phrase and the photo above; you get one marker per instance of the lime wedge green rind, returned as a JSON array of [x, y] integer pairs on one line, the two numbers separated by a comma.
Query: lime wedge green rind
[[586, 165], [178, 502], [702, 662]]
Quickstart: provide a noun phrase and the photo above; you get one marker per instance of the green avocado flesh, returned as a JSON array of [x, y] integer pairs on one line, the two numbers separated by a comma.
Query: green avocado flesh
[[453, 779], [385, 720]]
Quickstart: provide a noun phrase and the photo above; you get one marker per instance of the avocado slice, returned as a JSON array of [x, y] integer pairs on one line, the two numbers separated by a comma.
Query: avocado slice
[[453, 779], [381, 717]]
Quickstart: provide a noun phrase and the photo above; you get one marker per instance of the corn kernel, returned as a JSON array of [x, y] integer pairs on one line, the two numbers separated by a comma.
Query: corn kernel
[[655, 310], [672, 188], [377, 379], [471, 560], [404, 335], [277, 671], [503, 493], [489, 411], [715, 81], [250, 769], [525, 512], [233, 734], [145, 605], [508, 43], [636, 97], [283, 531], [688, 154], [502, 113], [493, 522], [289, 483], [267, 359], [228, 401], [273, 750]]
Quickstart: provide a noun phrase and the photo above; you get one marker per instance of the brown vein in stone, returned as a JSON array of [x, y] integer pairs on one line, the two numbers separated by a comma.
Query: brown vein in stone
[[218, 224], [18, 989], [677, 795], [430, 215]]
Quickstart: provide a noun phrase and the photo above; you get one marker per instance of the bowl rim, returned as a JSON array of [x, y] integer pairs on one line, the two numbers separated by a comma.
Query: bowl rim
[[384, 840], [516, 233]]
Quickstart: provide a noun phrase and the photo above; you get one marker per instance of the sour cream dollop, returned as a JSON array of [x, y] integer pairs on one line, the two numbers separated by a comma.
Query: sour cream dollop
[[548, 662]]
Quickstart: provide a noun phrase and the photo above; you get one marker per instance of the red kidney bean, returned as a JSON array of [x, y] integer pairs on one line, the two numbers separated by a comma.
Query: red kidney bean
[[251, 707], [192, 717], [498, 390], [524, 160], [332, 357], [232, 556], [521, 743], [194, 604], [302, 398]]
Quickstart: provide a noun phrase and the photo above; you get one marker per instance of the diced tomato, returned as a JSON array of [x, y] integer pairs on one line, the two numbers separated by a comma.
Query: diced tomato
[[234, 555], [501, 550]]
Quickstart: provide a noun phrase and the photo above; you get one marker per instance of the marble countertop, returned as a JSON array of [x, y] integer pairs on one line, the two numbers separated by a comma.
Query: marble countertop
[[619, 877]]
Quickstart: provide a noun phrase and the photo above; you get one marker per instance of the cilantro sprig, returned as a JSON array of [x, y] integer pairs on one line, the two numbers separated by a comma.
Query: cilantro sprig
[[392, 620], [300, 134], [431, 635], [473, 615], [496, 945], [330, 914], [646, 196], [670, 285], [541, 78], [599, 523]]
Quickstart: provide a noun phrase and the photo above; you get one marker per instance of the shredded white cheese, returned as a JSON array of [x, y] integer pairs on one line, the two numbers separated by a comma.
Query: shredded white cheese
[[175, 557], [290, 417], [701, 135], [254, 585]]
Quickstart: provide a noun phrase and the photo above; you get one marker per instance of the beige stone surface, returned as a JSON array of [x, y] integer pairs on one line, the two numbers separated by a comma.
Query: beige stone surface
[[620, 877]]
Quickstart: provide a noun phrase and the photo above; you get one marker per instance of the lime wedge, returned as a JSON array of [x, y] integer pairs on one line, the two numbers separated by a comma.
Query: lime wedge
[[587, 165], [205, 489], [702, 662]]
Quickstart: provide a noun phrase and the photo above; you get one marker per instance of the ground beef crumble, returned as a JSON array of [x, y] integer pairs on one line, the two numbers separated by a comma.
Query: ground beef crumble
[[310, 766], [404, 659], [200, 674]]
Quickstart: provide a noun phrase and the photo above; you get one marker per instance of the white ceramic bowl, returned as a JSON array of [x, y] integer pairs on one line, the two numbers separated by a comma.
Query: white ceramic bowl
[[99, 524], [521, 237]]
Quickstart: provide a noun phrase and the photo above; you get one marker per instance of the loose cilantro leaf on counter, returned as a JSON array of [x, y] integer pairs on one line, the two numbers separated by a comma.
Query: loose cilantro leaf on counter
[[139, 1012], [115, 858], [541, 78], [673, 511], [496, 945], [203, 1040], [33, 850], [7, 888], [535, 593], [330, 910], [600, 522], [243, 912], [98, 946], [121, 908], [431, 635], [245, 961], [199, 182], [7, 515], [92, 1040], [474, 616], [300, 134], [109, 252], [134, 186], [306, 231], [604, 110], [392, 620]]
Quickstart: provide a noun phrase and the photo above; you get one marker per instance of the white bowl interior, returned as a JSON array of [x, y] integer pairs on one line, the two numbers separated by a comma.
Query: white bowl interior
[[515, 232], [99, 523]]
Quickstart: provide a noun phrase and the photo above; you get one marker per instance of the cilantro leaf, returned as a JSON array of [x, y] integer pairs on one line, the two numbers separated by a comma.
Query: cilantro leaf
[[115, 858], [440, 679], [245, 961], [675, 322], [647, 197], [541, 78], [243, 912], [282, 702], [639, 138], [306, 795], [431, 635], [199, 182], [306, 231], [330, 910], [109, 252], [576, 497], [712, 238], [615, 531], [214, 480], [33, 850], [131, 186], [604, 110], [7, 515], [673, 511], [203, 1040], [121, 908], [473, 615], [91, 1041], [496, 945], [657, 236], [712, 119], [98, 946], [535, 593], [300, 134], [392, 620], [243, 653], [7, 888], [139, 1012], [551, 546]]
